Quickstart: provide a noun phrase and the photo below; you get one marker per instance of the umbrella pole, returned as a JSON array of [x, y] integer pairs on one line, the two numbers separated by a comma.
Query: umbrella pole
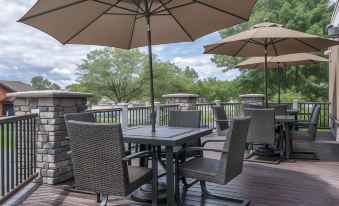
[[279, 84], [266, 96], [150, 62]]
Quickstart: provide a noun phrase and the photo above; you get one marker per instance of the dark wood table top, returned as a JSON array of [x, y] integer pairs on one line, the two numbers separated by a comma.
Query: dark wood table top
[[165, 136]]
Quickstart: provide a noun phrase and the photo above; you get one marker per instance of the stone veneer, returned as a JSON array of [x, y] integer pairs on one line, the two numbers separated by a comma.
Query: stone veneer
[[185, 101], [53, 149]]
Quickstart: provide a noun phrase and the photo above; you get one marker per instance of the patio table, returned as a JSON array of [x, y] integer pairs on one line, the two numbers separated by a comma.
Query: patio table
[[286, 120], [168, 137]]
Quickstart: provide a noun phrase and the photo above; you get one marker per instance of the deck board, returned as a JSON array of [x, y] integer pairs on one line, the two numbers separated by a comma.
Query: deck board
[[294, 182]]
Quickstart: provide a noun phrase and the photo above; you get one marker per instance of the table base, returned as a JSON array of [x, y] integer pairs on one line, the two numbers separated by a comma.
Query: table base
[[144, 193]]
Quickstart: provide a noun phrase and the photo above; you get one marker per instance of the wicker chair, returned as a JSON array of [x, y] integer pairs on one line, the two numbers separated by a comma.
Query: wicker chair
[[218, 171], [309, 135], [90, 117], [305, 123], [280, 109], [100, 164], [221, 120], [190, 119], [262, 132]]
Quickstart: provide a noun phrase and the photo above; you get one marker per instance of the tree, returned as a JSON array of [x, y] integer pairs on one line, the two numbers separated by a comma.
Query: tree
[[168, 78], [310, 16], [113, 73], [213, 89], [40, 83]]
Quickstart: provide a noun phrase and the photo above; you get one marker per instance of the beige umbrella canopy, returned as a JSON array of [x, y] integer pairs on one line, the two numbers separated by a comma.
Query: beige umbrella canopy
[[281, 61], [135, 23], [268, 39]]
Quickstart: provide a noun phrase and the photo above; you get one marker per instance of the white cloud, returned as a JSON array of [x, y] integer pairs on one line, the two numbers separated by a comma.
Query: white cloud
[[204, 66], [26, 52], [60, 71]]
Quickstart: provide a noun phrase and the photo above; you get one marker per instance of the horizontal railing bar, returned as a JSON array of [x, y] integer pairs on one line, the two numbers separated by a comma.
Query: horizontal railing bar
[[17, 118], [18, 188]]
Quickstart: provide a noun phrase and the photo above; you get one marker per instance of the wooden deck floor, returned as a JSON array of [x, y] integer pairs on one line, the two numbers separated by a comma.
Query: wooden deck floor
[[295, 182]]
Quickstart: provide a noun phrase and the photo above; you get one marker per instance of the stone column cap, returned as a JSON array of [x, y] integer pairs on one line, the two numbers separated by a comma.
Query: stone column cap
[[48, 93]]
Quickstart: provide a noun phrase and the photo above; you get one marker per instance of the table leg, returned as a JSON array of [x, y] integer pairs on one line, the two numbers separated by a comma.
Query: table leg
[[287, 145], [170, 176]]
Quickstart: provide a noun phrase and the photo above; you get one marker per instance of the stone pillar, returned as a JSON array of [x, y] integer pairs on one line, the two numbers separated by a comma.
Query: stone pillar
[[124, 114], [185, 101], [53, 149], [217, 103]]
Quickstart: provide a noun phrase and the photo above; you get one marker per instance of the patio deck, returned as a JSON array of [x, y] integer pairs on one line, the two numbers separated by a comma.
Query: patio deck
[[295, 182]]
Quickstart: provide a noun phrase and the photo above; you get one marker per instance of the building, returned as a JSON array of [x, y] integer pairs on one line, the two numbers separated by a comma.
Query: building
[[333, 82], [6, 104]]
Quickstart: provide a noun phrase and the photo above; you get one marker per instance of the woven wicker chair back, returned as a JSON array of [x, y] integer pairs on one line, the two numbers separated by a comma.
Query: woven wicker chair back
[[312, 129], [262, 126], [280, 109], [97, 152], [220, 114], [231, 164]]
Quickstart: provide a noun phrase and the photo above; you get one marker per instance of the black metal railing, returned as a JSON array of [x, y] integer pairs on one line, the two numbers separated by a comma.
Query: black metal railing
[[107, 115], [141, 115], [17, 153]]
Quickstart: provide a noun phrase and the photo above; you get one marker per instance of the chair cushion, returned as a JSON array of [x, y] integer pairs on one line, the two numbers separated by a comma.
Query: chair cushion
[[299, 135], [138, 176], [200, 168]]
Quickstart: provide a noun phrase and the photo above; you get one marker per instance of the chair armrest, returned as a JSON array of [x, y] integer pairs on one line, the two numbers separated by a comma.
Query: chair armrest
[[212, 140], [278, 125], [138, 155], [188, 149]]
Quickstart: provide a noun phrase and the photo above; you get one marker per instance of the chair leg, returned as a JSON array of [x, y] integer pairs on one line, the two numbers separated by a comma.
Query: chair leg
[[241, 201], [104, 200], [98, 197], [154, 181]]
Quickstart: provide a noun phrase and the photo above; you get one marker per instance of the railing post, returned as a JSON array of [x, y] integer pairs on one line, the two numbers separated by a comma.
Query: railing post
[[295, 104], [124, 115], [157, 111], [217, 103]]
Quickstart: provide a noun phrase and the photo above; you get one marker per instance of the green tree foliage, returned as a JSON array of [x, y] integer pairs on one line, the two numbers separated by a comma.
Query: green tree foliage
[[310, 16], [213, 89], [123, 76], [40, 83], [113, 73]]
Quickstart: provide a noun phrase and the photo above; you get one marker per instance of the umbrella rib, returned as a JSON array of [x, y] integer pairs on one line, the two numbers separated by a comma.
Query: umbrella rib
[[307, 44], [52, 10], [159, 7], [138, 5], [134, 22], [226, 12], [241, 48], [275, 49], [90, 23], [176, 20], [174, 7], [120, 7], [220, 45]]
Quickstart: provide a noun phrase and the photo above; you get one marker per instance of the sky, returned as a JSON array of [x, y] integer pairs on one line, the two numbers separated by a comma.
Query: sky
[[26, 52]]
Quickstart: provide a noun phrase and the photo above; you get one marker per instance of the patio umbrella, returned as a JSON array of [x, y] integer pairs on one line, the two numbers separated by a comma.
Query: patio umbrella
[[135, 23], [268, 39], [279, 62]]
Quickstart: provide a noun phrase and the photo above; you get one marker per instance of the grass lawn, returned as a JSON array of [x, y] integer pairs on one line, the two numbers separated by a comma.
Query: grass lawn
[[5, 137]]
